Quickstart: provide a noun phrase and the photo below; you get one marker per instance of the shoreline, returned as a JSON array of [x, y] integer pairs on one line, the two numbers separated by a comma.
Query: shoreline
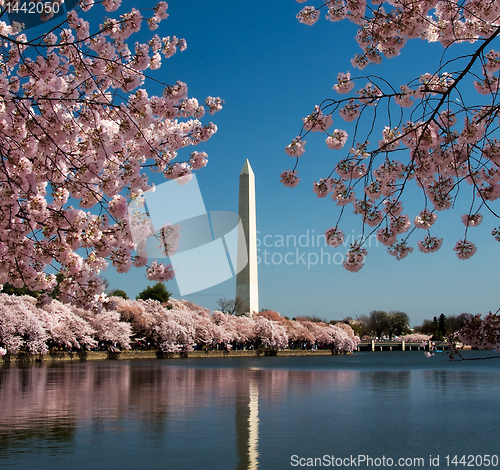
[[153, 354], [77, 356]]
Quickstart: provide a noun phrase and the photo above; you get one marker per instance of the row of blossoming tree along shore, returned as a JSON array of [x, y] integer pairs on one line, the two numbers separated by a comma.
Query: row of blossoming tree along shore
[[178, 326], [28, 325]]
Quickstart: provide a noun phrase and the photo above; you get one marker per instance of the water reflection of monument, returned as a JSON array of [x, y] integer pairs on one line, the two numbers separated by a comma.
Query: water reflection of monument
[[247, 422]]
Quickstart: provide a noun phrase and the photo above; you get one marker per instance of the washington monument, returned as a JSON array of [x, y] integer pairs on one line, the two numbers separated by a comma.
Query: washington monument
[[247, 287]]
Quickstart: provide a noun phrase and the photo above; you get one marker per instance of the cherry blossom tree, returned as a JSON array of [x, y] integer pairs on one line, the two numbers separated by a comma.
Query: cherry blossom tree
[[480, 333], [66, 328], [26, 324], [185, 319], [78, 132], [200, 319], [315, 330], [347, 329], [270, 334], [439, 130], [173, 329], [415, 338], [343, 338], [20, 326], [107, 327], [172, 336], [225, 329], [133, 312], [244, 332]]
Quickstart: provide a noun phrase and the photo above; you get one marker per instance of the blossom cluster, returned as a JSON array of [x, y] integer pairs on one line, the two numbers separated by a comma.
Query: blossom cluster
[[481, 333], [437, 140], [78, 130], [384, 32]]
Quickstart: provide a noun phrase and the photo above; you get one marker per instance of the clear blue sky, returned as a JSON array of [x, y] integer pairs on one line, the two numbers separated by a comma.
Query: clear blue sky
[[271, 71]]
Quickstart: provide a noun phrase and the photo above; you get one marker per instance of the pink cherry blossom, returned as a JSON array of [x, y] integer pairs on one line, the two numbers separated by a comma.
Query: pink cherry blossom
[[429, 244], [472, 220], [400, 250], [198, 160], [308, 15], [289, 178], [317, 121], [159, 272], [390, 139], [393, 207], [415, 338], [337, 139], [405, 97], [489, 85], [400, 224], [493, 61], [386, 236], [465, 249], [480, 333], [370, 94], [180, 326], [343, 195], [213, 104], [334, 237], [296, 148], [271, 334], [447, 118], [344, 85], [355, 257], [323, 187], [350, 111], [425, 219]]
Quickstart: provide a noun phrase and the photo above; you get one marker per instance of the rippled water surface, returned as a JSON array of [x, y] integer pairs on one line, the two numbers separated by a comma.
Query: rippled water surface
[[246, 413]]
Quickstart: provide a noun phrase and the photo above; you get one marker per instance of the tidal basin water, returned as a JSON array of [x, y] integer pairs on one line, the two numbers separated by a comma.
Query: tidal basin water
[[251, 413]]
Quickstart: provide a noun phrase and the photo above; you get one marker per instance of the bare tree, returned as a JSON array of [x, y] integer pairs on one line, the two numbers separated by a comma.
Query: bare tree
[[233, 307]]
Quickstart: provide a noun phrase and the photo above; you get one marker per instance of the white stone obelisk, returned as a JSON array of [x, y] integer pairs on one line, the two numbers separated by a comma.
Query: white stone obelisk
[[247, 287]]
